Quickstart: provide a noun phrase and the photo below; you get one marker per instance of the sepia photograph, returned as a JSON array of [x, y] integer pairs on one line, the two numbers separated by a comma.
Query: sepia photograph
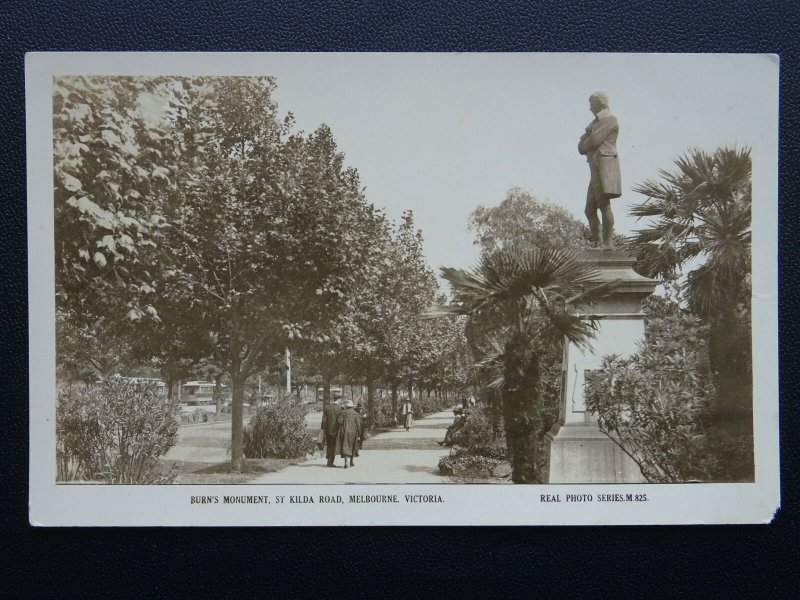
[[397, 288]]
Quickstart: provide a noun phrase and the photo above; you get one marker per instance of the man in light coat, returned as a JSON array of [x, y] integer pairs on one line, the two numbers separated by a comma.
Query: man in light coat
[[599, 145], [407, 413]]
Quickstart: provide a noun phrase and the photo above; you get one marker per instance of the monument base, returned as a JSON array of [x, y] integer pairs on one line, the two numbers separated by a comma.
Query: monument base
[[577, 451], [581, 453]]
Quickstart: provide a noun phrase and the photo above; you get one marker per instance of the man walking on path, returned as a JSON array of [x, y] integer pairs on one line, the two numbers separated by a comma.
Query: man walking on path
[[330, 426], [407, 411], [350, 430]]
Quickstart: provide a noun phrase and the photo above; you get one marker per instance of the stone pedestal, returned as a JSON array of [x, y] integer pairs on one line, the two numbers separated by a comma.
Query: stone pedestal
[[577, 452]]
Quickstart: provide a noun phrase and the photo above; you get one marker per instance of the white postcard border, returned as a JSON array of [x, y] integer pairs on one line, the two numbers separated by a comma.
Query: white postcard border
[[98, 505]]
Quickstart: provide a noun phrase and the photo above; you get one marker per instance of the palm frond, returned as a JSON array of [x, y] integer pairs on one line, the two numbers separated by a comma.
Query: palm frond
[[511, 274], [521, 301], [561, 324], [700, 210]]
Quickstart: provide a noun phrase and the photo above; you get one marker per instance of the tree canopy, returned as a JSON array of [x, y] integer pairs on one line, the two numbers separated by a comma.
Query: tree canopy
[[522, 221], [112, 172], [197, 226]]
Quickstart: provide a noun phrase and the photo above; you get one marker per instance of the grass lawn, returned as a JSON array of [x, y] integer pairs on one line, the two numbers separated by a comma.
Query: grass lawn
[[251, 468]]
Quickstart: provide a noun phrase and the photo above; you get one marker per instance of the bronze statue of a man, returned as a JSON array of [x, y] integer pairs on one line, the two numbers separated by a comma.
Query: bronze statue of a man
[[599, 145]]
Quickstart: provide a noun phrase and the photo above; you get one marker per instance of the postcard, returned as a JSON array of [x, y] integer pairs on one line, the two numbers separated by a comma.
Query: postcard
[[402, 289]]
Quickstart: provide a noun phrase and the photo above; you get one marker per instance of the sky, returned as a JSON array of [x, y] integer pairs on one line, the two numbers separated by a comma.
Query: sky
[[440, 134]]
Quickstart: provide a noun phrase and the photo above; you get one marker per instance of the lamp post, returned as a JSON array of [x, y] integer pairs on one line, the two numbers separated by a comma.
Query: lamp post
[[288, 373]]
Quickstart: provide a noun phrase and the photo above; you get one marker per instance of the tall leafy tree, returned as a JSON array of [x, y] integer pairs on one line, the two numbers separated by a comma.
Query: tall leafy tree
[[522, 221], [410, 287], [266, 234], [445, 357], [346, 344], [699, 218]]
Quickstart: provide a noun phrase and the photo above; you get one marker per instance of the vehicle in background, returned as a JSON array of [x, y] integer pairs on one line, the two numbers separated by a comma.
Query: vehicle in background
[[320, 393], [200, 394], [160, 385]]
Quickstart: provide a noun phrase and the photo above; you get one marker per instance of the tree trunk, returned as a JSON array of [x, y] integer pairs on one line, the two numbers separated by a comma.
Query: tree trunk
[[218, 393], [237, 433], [326, 388], [731, 363], [522, 414], [168, 383], [393, 383], [731, 423], [496, 409], [370, 403], [410, 389]]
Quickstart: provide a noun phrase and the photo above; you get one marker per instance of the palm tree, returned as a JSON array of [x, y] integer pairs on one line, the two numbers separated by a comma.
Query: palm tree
[[529, 296], [701, 215]]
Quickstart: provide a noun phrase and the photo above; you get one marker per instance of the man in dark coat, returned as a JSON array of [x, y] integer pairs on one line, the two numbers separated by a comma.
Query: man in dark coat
[[599, 145], [330, 426], [350, 431], [362, 410]]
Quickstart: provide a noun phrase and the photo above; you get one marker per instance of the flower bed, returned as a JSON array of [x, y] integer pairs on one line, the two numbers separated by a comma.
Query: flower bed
[[480, 462]]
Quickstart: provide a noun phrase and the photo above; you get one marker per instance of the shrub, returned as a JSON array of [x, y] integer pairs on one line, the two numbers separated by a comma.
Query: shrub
[[472, 465], [426, 405], [115, 433], [474, 455], [498, 453], [384, 416], [278, 431], [655, 404], [476, 431]]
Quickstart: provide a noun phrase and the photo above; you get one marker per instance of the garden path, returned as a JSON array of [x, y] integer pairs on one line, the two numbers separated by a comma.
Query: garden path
[[394, 456]]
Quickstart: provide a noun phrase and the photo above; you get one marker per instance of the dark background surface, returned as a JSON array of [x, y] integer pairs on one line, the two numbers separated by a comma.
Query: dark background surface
[[397, 562]]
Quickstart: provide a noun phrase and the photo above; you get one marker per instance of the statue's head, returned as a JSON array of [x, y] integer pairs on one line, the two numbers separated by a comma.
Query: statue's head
[[597, 102]]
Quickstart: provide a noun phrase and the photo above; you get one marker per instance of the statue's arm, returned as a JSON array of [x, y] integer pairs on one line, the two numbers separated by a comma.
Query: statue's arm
[[582, 144], [582, 149], [601, 131]]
